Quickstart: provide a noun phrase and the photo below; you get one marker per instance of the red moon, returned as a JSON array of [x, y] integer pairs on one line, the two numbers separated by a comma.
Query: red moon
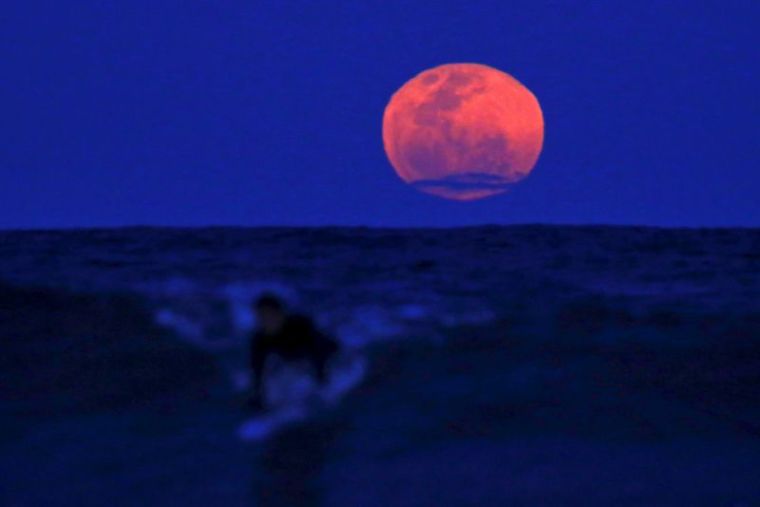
[[463, 131]]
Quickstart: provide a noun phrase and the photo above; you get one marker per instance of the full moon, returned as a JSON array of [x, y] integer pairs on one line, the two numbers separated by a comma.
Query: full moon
[[463, 131]]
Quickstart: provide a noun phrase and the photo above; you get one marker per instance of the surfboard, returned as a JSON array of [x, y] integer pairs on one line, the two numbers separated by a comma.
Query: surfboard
[[292, 393]]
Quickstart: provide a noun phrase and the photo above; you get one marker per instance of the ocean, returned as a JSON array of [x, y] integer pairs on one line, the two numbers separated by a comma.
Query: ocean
[[498, 365]]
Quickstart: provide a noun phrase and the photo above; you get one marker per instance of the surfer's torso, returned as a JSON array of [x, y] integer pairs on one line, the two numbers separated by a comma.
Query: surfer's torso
[[296, 339]]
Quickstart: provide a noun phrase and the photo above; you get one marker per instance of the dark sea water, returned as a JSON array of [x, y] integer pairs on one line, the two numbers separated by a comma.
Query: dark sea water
[[504, 366]]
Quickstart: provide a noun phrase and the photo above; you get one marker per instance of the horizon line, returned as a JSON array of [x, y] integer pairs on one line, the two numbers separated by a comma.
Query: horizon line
[[599, 225]]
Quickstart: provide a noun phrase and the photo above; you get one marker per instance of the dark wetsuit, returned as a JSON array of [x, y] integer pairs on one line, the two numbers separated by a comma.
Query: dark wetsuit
[[298, 339]]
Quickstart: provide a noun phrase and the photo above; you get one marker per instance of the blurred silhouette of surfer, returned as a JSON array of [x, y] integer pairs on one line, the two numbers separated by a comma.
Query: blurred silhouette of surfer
[[292, 337]]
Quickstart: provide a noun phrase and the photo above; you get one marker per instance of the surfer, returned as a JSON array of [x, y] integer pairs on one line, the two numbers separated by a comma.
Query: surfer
[[292, 337]]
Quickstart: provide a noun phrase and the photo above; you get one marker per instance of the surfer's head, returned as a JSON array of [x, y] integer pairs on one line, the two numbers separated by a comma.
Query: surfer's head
[[270, 312]]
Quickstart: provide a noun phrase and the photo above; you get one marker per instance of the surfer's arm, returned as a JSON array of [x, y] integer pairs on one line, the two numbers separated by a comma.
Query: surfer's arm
[[259, 352], [323, 348]]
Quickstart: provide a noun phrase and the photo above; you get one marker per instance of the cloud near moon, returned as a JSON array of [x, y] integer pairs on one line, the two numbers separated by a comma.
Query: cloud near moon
[[463, 131]]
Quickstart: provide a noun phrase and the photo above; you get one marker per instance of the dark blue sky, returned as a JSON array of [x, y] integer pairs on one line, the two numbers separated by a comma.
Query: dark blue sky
[[252, 112]]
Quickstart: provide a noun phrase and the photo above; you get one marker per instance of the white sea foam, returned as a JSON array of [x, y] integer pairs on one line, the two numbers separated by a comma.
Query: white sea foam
[[219, 319], [180, 324], [259, 428]]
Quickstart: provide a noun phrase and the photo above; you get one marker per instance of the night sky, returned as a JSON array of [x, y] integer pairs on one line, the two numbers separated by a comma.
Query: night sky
[[270, 113]]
